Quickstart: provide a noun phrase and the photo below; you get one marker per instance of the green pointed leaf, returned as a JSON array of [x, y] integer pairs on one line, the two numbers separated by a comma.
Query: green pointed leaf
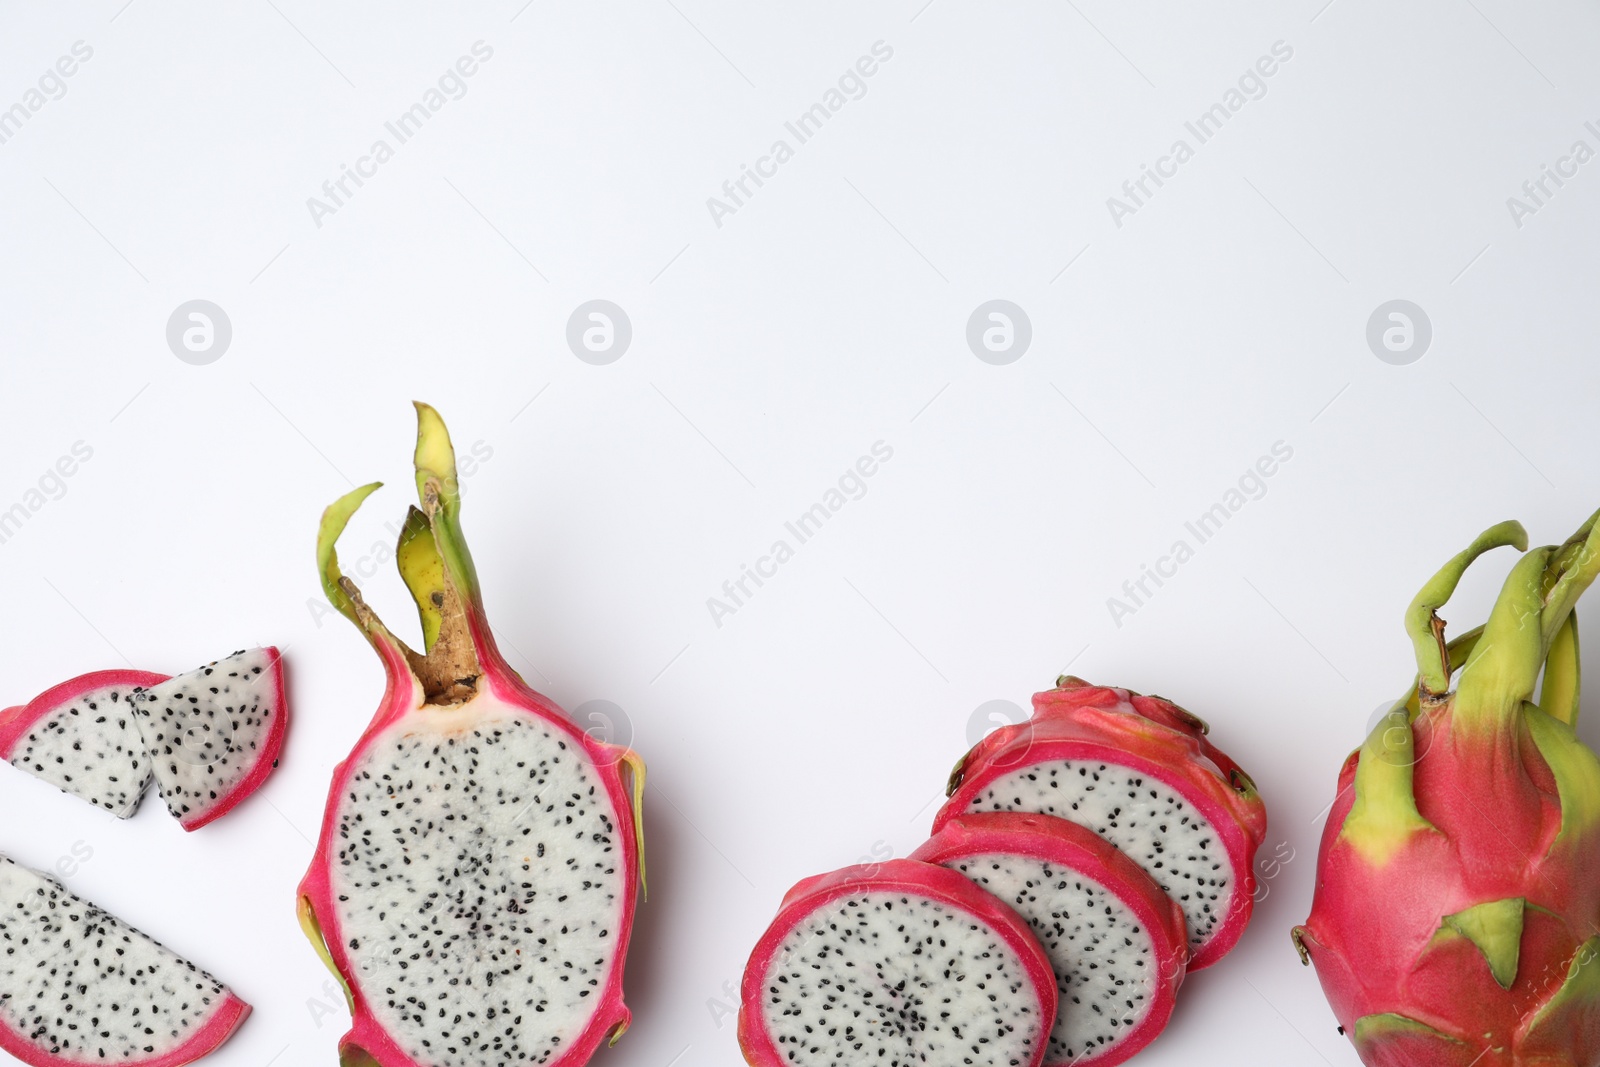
[[1576, 770], [1495, 928], [356, 1056], [1504, 667], [435, 457], [1423, 625], [1572, 1009], [423, 571], [1384, 816], [1391, 1040], [334, 520], [1558, 695]]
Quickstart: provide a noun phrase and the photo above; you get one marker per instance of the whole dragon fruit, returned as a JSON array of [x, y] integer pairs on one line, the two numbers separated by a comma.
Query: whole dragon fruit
[[475, 881], [79, 986], [900, 964], [1140, 772], [1456, 919]]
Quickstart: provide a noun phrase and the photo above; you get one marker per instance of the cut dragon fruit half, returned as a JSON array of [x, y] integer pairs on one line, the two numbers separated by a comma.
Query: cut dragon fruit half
[[481, 857], [81, 737], [1139, 772], [78, 986], [1117, 942], [215, 733], [901, 962]]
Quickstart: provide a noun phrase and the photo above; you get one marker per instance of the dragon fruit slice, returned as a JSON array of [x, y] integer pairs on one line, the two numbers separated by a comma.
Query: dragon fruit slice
[[1140, 772], [1458, 882], [475, 881], [81, 737], [900, 963], [214, 734], [1117, 942], [79, 986]]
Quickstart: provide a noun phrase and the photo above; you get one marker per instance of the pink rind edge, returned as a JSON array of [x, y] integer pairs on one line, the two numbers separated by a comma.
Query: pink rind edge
[[1078, 848], [265, 762], [228, 1017], [365, 1032], [1236, 841], [914, 878], [16, 722]]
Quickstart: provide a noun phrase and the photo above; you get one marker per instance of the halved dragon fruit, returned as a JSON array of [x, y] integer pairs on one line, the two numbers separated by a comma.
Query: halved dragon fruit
[[1116, 941], [1140, 772], [81, 736], [897, 963], [214, 734], [79, 986], [475, 881]]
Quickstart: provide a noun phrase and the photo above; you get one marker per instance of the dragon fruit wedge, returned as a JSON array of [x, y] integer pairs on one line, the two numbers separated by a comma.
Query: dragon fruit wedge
[[81, 737], [900, 964], [475, 881], [1140, 772], [1116, 941], [79, 986], [1456, 918], [214, 735]]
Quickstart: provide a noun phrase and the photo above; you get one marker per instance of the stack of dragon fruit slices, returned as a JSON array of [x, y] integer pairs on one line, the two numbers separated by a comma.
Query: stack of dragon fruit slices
[[1084, 861]]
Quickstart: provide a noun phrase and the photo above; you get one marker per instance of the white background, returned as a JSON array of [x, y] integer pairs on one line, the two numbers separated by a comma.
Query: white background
[[815, 725]]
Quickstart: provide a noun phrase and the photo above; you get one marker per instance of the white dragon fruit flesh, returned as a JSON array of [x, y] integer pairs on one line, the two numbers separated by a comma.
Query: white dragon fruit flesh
[[481, 856], [81, 736], [898, 964], [79, 986], [1117, 942], [214, 734]]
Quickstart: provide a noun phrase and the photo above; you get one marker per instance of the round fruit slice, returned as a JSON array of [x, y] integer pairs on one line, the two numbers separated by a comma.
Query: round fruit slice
[[896, 963], [1116, 941], [79, 986], [82, 738], [1139, 772]]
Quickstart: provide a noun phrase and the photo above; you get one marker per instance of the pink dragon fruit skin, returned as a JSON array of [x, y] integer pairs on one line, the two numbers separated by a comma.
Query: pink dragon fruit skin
[[55, 736], [1152, 740], [895, 995], [1456, 919], [462, 690], [1118, 943]]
